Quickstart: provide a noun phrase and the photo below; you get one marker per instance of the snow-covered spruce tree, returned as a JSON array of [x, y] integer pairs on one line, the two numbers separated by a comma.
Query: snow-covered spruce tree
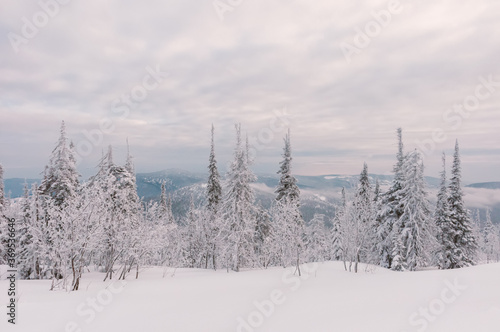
[[373, 251], [317, 240], [465, 245], [491, 240], [117, 187], [61, 179], [164, 237], [238, 211], [171, 219], [336, 244], [193, 237], [445, 246], [131, 208], [377, 192], [214, 198], [263, 240], [164, 233], [34, 237], [364, 218], [214, 187], [398, 253], [356, 224], [82, 234], [288, 226], [413, 226], [390, 210], [27, 260], [162, 213], [58, 190], [478, 234], [349, 234]]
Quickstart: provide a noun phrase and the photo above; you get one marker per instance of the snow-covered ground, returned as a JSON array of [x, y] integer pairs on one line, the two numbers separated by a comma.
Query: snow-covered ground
[[325, 298]]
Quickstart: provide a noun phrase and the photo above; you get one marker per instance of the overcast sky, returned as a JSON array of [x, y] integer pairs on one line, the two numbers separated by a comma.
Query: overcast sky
[[341, 81]]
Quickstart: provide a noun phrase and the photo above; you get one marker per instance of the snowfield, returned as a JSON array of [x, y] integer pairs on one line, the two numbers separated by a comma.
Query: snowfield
[[325, 298]]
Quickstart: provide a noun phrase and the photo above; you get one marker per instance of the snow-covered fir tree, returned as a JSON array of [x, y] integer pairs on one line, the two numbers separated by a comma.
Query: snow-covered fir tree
[[162, 214], [318, 249], [61, 178], [465, 245], [413, 227], [287, 188], [445, 244], [214, 198], [336, 244], [238, 210], [214, 187], [117, 188], [193, 237], [364, 217], [288, 226], [263, 244], [391, 209], [478, 234], [356, 223], [491, 239]]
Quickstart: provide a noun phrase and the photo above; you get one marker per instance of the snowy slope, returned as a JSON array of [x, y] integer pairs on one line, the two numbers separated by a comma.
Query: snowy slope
[[326, 298]]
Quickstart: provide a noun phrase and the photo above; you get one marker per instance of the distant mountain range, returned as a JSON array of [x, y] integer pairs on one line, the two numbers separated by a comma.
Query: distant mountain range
[[319, 193], [485, 185]]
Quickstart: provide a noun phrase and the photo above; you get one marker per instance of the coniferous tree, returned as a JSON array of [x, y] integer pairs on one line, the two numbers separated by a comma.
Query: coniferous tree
[[58, 191], [288, 225], [465, 245], [445, 246], [491, 239], [214, 198], [263, 246], [478, 234], [413, 226], [26, 260], [391, 210], [214, 188], [337, 246], [192, 236], [363, 215], [317, 246], [171, 219], [162, 214], [60, 181], [239, 214], [287, 188]]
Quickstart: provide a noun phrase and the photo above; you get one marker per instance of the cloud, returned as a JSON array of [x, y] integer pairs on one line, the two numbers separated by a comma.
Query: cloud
[[481, 198], [264, 56]]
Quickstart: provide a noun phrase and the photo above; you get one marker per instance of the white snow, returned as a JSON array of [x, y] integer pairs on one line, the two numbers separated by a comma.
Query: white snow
[[325, 298]]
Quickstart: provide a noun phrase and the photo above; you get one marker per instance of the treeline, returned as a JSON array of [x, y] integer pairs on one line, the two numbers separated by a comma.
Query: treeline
[[66, 227]]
